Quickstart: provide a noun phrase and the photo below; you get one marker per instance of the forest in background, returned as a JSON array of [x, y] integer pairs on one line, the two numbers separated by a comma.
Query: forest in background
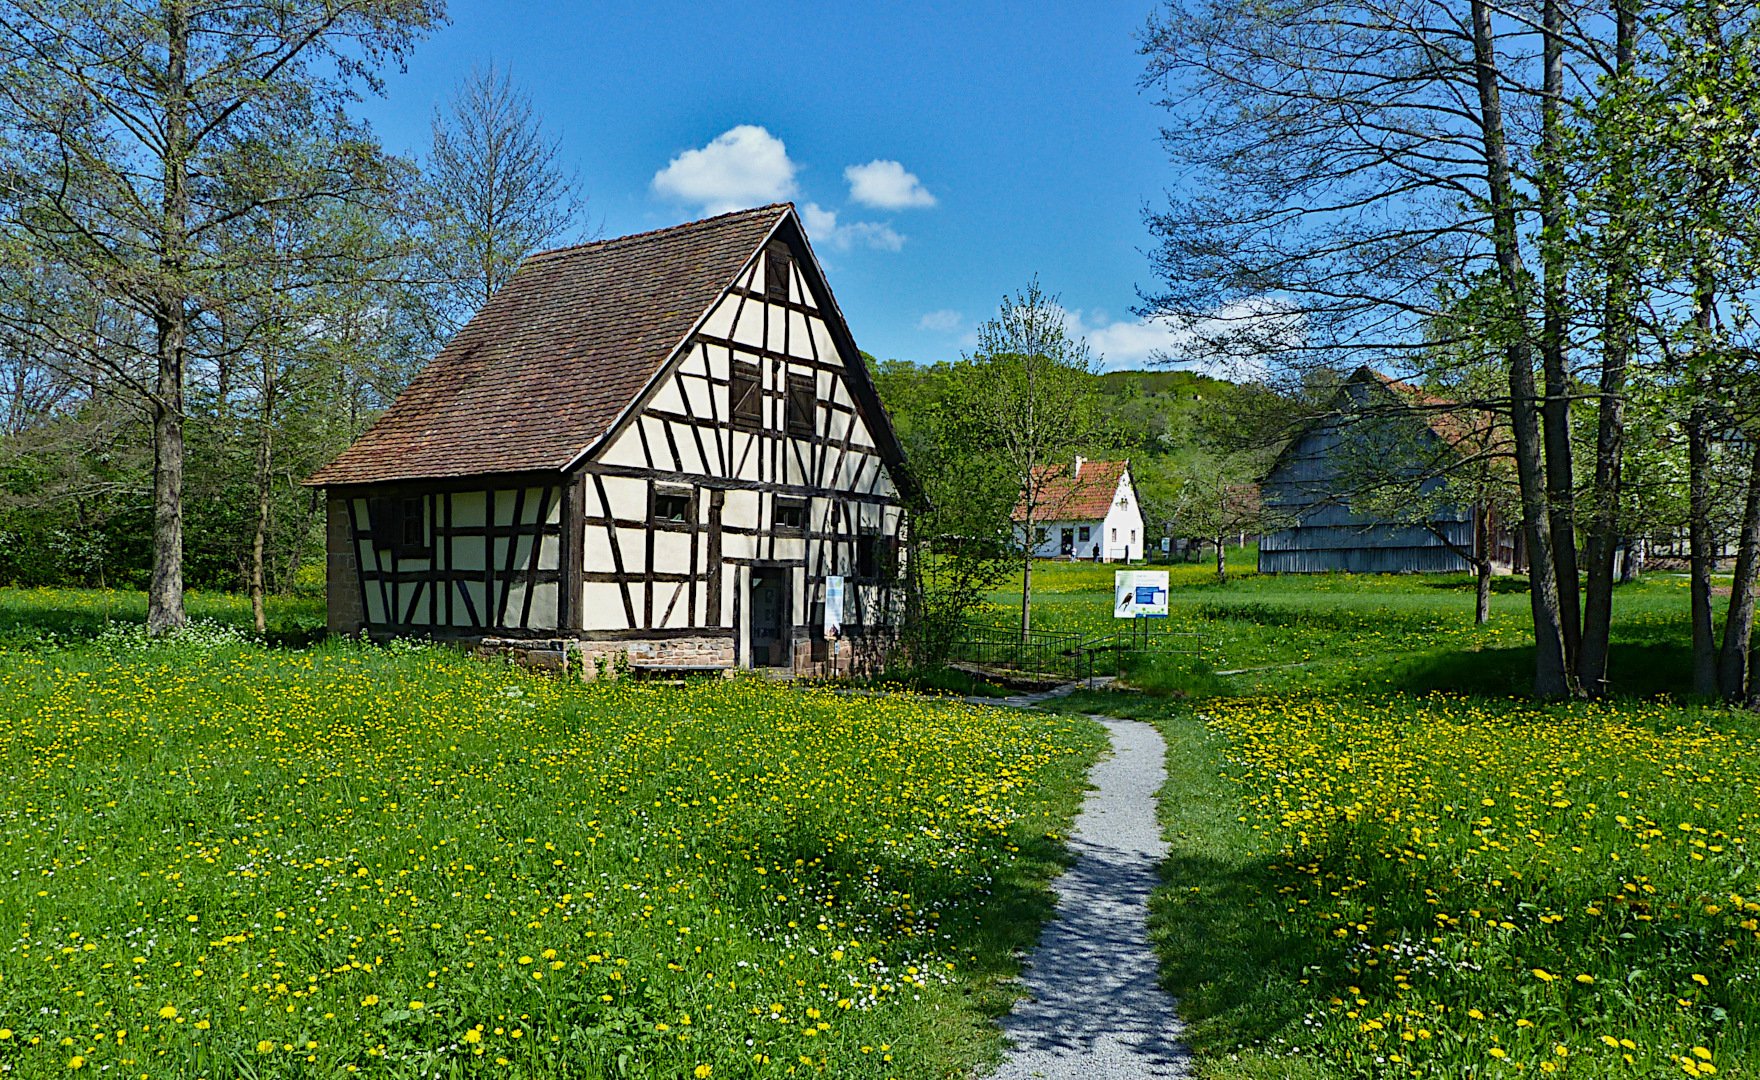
[[312, 274]]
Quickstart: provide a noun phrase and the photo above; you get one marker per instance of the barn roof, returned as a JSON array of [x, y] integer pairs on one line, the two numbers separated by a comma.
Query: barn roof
[[1442, 415], [1080, 491], [548, 365]]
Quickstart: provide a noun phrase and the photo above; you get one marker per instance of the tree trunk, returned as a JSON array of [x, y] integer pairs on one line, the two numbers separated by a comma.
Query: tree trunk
[[1551, 676], [260, 535], [1738, 628], [1027, 587], [1699, 549], [1555, 412], [1482, 566], [1616, 351], [1222, 560], [165, 590]]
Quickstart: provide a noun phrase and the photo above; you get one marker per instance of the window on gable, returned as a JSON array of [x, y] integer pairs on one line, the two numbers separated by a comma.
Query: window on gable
[[776, 273], [803, 404], [672, 504], [746, 397], [791, 515]]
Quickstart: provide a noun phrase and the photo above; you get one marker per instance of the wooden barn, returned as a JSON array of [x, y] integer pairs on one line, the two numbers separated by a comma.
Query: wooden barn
[[1308, 491], [659, 449]]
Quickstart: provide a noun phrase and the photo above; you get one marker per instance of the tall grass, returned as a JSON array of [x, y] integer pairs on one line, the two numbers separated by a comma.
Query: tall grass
[[231, 860]]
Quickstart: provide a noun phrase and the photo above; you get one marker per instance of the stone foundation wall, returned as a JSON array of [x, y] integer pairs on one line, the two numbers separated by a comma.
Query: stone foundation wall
[[342, 583], [587, 660]]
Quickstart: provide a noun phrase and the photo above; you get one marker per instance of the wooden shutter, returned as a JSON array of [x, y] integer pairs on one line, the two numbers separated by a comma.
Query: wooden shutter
[[746, 397]]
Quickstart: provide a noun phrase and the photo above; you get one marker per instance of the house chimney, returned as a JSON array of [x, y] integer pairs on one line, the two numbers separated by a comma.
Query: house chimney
[[1079, 460]]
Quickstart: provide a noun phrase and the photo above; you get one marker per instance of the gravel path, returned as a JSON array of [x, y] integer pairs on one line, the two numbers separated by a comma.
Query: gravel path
[[1097, 1011]]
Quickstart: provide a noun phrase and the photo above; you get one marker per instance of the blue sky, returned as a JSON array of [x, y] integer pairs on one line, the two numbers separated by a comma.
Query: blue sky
[[1031, 147]]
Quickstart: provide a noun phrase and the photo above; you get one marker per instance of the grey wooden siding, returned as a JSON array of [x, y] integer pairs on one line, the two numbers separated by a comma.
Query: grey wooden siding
[[1304, 486]]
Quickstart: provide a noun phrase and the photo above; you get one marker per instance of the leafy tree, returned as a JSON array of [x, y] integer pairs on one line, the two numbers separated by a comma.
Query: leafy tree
[[1035, 405], [127, 126], [960, 529]]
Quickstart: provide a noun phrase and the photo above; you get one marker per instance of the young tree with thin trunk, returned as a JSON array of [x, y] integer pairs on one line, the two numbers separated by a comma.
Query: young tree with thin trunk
[[122, 115], [1037, 406]]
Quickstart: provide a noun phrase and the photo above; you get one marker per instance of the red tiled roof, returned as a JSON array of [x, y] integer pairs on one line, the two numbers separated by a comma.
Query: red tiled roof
[[1451, 422], [551, 361], [1068, 495]]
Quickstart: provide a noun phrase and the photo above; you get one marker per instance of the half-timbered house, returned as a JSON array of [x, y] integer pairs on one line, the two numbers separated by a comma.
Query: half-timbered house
[[659, 448]]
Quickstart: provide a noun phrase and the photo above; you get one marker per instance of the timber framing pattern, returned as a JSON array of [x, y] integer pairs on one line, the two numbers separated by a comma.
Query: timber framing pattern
[[700, 517]]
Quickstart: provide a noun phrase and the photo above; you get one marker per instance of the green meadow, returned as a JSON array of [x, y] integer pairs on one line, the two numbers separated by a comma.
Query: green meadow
[[1386, 862], [232, 859]]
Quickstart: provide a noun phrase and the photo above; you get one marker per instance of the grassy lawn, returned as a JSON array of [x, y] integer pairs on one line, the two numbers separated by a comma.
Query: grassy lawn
[[1349, 631], [1384, 864], [32, 618], [232, 860]]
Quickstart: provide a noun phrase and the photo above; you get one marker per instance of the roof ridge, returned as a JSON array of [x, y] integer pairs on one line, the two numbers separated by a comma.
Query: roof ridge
[[570, 249]]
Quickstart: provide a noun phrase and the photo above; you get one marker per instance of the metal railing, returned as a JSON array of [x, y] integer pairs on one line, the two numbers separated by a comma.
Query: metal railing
[[1068, 655]]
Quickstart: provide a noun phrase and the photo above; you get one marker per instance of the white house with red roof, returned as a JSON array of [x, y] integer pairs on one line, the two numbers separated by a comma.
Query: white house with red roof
[[1085, 510]]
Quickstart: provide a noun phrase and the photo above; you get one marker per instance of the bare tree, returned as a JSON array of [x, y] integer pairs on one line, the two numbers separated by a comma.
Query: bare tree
[[496, 191], [1038, 406]]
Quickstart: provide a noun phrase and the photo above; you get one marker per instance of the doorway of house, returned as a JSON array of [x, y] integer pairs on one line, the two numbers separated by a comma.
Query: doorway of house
[[767, 628], [1069, 541]]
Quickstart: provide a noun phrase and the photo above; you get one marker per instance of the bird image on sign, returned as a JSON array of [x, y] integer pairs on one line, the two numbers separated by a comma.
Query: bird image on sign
[[1139, 594]]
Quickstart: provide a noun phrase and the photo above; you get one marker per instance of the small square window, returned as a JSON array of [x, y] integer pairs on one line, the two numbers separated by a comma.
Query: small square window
[[1085, 533], [398, 525], [868, 552], [672, 504], [791, 515]]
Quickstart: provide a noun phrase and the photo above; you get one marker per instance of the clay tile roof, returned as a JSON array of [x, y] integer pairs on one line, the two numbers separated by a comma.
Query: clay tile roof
[[1068, 495], [550, 362], [1444, 416]]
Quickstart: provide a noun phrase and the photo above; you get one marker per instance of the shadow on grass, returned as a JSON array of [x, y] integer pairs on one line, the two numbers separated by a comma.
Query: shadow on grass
[[1635, 669], [1503, 585], [38, 618]]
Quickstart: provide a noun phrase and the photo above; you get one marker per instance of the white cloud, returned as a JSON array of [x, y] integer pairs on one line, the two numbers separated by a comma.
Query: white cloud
[[818, 220], [743, 166], [885, 185], [945, 321], [823, 228], [1229, 343]]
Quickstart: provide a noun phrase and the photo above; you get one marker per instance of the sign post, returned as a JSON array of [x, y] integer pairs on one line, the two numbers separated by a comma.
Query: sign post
[[1138, 595], [833, 607]]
